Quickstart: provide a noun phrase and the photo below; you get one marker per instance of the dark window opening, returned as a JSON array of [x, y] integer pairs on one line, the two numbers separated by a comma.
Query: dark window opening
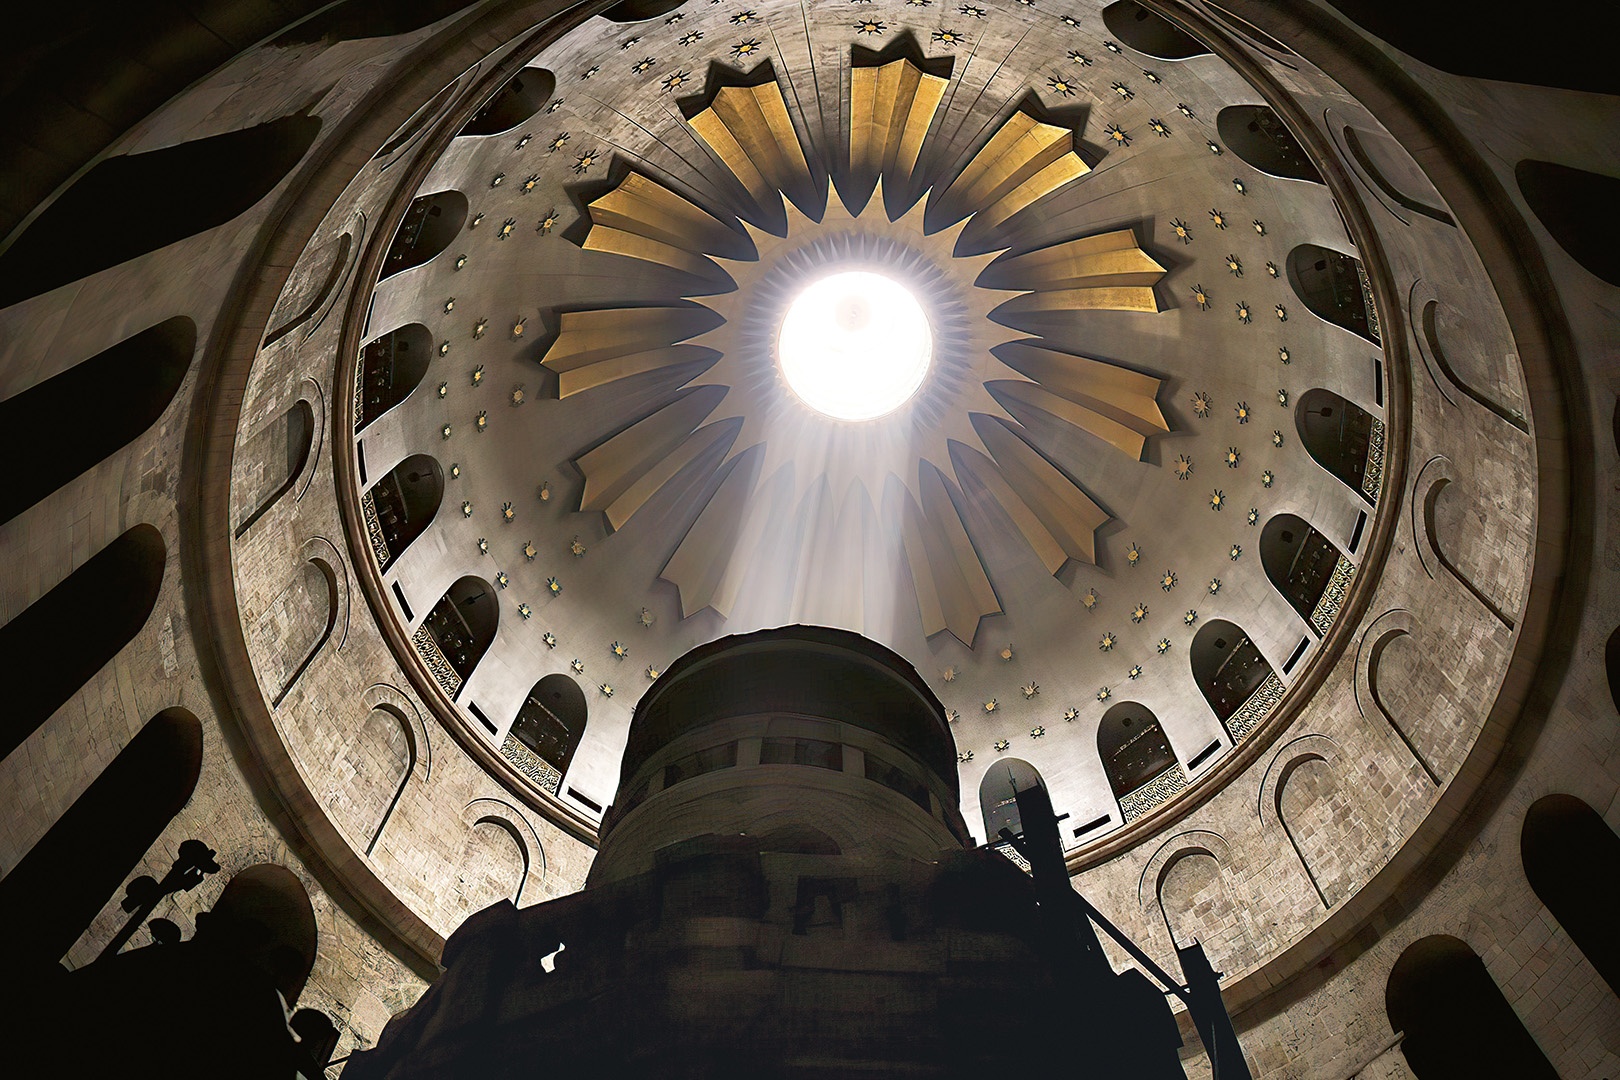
[[390, 368], [551, 720], [463, 623], [1133, 747], [998, 795], [1257, 135], [640, 10], [110, 399], [1338, 434], [1149, 32], [1577, 207], [711, 760], [1299, 561], [820, 903], [896, 779], [1227, 666], [514, 103], [1332, 287], [1458, 1025], [1572, 861], [812, 752], [405, 502], [431, 222]]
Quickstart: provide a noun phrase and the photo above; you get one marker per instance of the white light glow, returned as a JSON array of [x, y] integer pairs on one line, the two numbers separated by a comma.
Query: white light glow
[[855, 345]]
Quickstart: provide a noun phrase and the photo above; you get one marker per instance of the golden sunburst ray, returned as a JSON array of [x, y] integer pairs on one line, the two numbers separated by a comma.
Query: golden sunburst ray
[[771, 456]]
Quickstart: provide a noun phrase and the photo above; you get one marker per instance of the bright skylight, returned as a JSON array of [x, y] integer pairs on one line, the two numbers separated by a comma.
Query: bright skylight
[[855, 345]]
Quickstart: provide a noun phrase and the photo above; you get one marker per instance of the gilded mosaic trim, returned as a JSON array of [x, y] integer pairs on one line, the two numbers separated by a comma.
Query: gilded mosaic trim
[[538, 771], [379, 546], [1372, 308], [1374, 474], [1256, 709], [1152, 793], [1015, 857], [435, 660], [1327, 608], [360, 394]]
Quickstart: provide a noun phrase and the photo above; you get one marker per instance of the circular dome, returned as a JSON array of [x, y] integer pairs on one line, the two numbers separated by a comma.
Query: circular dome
[[854, 345]]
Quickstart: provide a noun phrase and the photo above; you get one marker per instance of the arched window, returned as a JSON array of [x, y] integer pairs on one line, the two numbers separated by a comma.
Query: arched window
[[390, 368], [640, 10], [550, 722], [998, 795], [519, 99], [136, 203], [401, 505], [1235, 678], [1142, 769], [70, 633], [279, 451], [64, 881], [1344, 438], [1572, 861], [1306, 568], [1458, 1025], [1149, 32], [265, 913], [1256, 134], [458, 631], [1334, 288], [431, 223], [112, 397], [371, 772], [1567, 201]]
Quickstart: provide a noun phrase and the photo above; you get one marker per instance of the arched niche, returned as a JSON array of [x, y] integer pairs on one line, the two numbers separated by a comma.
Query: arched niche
[[133, 204], [1317, 811], [78, 418], [1458, 1025], [357, 19], [264, 916], [280, 450], [51, 896], [1149, 32], [401, 505], [1190, 879], [1334, 288], [626, 11], [551, 722], [1230, 671], [62, 639], [1135, 752], [1572, 860], [522, 96], [431, 222], [1570, 203], [295, 625], [459, 631], [390, 368], [998, 795], [1306, 568], [376, 762], [493, 865], [1344, 438], [1257, 135]]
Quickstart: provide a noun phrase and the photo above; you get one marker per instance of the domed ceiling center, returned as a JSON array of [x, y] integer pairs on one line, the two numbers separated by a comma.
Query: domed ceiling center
[[855, 345]]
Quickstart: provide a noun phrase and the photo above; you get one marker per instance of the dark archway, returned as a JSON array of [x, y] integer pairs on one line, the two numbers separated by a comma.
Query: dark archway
[[1149, 32], [1458, 1025], [1333, 287], [51, 896], [401, 505], [1572, 860], [462, 624], [998, 796], [70, 633], [112, 397], [1340, 436], [551, 721], [136, 203], [640, 10], [1133, 747], [1228, 668], [1577, 207], [390, 368], [1301, 563], [1257, 135], [430, 224], [283, 446], [264, 915], [523, 96]]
